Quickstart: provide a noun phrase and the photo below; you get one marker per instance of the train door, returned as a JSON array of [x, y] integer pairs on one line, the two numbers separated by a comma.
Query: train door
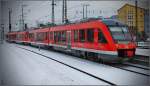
[[69, 39]]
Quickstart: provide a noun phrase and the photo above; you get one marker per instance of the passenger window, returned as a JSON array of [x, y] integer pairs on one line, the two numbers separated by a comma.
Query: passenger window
[[46, 35], [40, 36], [101, 37], [59, 36], [90, 35], [31, 35], [63, 36], [82, 35], [75, 35], [20, 36], [55, 36], [51, 35]]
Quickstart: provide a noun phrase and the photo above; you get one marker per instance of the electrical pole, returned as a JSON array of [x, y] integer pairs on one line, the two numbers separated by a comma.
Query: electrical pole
[[86, 9], [63, 11], [53, 16], [83, 11], [10, 11], [136, 20], [22, 18]]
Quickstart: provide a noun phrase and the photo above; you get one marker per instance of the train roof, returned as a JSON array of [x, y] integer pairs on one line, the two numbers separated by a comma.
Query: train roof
[[108, 22], [113, 22]]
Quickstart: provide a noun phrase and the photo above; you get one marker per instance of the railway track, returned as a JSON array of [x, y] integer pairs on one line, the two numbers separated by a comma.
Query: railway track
[[137, 66], [108, 82], [131, 68], [142, 60]]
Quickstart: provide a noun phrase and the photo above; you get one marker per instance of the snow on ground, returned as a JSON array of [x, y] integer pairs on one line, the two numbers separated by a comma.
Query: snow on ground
[[25, 68], [115, 75]]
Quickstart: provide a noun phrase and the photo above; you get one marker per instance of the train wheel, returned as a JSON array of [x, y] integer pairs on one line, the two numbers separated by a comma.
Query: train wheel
[[92, 56], [100, 60], [85, 55]]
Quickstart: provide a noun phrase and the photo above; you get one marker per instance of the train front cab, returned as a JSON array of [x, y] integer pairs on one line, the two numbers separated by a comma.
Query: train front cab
[[122, 39]]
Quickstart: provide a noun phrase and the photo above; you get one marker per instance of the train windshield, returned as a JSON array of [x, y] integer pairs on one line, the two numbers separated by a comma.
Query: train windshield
[[120, 33]]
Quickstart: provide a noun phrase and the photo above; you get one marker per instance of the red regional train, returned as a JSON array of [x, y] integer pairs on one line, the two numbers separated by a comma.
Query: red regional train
[[107, 40]]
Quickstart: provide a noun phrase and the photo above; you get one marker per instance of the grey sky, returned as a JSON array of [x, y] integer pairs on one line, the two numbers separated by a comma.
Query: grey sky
[[40, 11]]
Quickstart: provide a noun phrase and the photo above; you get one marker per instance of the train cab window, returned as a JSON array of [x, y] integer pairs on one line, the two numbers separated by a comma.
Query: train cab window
[[101, 37], [82, 35], [90, 35], [76, 36]]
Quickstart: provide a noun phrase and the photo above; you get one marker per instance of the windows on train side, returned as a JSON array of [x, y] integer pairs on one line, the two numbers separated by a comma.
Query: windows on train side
[[63, 36], [76, 35], [13, 37], [90, 35], [46, 35], [51, 36], [84, 35], [40, 37], [101, 37], [60, 36], [55, 36], [31, 35], [19, 36]]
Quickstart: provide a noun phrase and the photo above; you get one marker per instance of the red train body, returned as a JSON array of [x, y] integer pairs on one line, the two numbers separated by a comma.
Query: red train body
[[108, 40]]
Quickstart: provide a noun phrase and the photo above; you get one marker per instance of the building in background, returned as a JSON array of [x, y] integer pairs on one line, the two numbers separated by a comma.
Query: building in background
[[127, 14]]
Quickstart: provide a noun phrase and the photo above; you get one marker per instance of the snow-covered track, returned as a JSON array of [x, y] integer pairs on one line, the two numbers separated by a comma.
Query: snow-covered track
[[133, 69], [137, 66]]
